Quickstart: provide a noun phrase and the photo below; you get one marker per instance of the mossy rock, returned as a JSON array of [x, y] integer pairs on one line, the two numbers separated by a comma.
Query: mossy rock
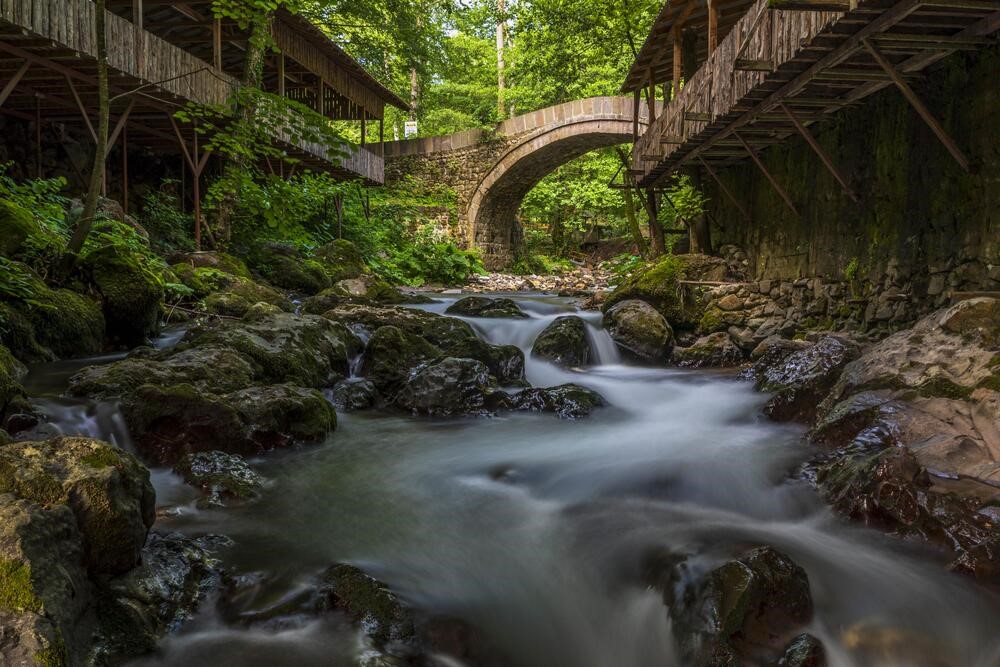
[[456, 338], [221, 475], [106, 488], [373, 317], [216, 261], [391, 354], [257, 293], [369, 601], [283, 266], [658, 284], [305, 350], [260, 311], [56, 323], [131, 294], [70, 325], [564, 342], [11, 373], [207, 367], [202, 281], [226, 304], [280, 414], [482, 306], [16, 225], [340, 259]]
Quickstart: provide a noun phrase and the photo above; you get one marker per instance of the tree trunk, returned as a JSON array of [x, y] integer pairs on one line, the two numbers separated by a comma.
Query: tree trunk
[[699, 232], [657, 244], [501, 29], [86, 220], [414, 93], [246, 111]]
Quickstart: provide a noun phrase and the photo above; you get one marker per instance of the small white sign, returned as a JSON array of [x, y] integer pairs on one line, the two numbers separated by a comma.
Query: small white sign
[[410, 129]]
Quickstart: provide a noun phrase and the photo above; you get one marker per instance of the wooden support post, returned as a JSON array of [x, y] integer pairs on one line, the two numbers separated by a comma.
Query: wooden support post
[[650, 96], [725, 190], [918, 105], [38, 137], [823, 156], [713, 26], [767, 174], [381, 137], [678, 58], [119, 126], [137, 17], [83, 109], [12, 84], [320, 97], [364, 125], [636, 101], [281, 74], [217, 44], [196, 169], [125, 170], [138, 31]]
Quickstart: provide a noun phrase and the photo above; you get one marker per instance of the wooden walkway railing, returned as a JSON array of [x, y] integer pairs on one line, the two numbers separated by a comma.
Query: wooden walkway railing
[[721, 85], [165, 70]]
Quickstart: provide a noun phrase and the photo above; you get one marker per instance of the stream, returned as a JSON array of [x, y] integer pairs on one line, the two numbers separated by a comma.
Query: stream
[[533, 528]]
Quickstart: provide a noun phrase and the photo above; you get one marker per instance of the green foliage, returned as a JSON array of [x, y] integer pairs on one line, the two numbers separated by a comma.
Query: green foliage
[[851, 270], [539, 264], [169, 228], [623, 266], [128, 242], [42, 198], [228, 134], [688, 202], [18, 284]]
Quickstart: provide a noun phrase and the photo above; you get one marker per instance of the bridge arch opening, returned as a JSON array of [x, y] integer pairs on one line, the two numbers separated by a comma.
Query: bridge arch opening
[[493, 208]]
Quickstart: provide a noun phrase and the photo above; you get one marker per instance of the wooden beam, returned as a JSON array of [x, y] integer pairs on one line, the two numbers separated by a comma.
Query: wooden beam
[[725, 190], [919, 106], [119, 126], [713, 26], [767, 174], [281, 74], [217, 44], [846, 49], [697, 117], [745, 44], [671, 139], [635, 114], [823, 156], [83, 109], [12, 84], [678, 58]]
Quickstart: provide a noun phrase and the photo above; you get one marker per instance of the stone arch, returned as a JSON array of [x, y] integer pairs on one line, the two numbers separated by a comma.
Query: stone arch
[[492, 210]]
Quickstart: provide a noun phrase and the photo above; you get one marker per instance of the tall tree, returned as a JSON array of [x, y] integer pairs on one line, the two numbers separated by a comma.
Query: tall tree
[[501, 41]]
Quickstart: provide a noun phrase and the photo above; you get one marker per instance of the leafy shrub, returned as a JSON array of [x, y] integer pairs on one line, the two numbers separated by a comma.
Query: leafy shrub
[[623, 266], [43, 199], [169, 228]]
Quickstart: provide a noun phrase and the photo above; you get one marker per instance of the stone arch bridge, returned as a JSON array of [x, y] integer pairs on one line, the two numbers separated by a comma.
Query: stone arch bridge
[[493, 171]]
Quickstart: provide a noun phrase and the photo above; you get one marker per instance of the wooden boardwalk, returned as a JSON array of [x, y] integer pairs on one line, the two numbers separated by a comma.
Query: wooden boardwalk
[[47, 59], [780, 70]]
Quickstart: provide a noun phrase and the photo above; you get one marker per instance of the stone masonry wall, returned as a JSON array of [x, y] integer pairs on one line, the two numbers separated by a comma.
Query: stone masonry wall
[[923, 226]]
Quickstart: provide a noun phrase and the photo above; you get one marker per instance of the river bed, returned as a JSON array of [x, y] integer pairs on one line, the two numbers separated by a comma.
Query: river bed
[[532, 528]]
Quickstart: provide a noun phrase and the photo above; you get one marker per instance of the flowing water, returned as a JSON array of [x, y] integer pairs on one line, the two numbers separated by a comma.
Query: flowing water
[[533, 529]]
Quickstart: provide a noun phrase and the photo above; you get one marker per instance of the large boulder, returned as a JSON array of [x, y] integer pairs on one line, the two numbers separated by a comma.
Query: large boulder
[[639, 330], [567, 401], [282, 265], [373, 317], [942, 380], [341, 259], [659, 284], [564, 342], [447, 387], [354, 394], [11, 373], [890, 488], [456, 338], [209, 367], [168, 423], [107, 490], [51, 323], [306, 350], [801, 379], [482, 306], [16, 225], [715, 350], [748, 607], [132, 295], [390, 356]]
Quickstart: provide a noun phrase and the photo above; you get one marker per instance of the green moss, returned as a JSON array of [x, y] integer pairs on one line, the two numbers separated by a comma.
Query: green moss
[[10, 371], [202, 280], [104, 457], [226, 303], [341, 259], [940, 386], [33, 484], [659, 285], [16, 225], [132, 295], [53, 656], [711, 321], [17, 593], [70, 324]]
